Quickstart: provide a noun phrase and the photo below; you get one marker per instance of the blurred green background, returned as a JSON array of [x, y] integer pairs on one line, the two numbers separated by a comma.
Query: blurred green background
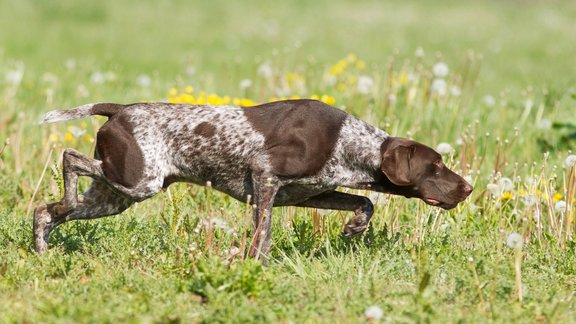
[[522, 42]]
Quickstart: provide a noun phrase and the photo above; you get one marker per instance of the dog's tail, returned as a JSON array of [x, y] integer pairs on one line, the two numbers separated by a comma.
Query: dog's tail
[[101, 109]]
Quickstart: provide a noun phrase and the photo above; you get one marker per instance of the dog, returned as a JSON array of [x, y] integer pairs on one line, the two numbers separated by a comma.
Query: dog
[[284, 153]]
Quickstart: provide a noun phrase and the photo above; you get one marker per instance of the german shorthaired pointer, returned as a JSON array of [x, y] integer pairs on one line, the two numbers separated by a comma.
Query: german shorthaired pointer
[[286, 153]]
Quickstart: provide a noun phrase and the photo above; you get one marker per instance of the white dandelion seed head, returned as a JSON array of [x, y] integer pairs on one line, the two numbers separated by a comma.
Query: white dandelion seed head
[[570, 161], [493, 188], [374, 312], [544, 124], [489, 101], [14, 77], [190, 70], [439, 87], [455, 91], [514, 241], [444, 148], [82, 91], [505, 184], [419, 52], [265, 70], [440, 70], [560, 206], [144, 81], [70, 64], [365, 84], [529, 200], [245, 84], [98, 77]]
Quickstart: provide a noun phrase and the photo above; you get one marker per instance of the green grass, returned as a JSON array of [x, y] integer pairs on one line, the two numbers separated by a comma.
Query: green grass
[[179, 257]]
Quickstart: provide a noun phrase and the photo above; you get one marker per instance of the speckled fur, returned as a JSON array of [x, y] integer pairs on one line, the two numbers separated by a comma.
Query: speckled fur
[[216, 144]]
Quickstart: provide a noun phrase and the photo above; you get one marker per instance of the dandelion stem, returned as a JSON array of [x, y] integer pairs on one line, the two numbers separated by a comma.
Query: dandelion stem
[[477, 282], [38, 184], [518, 272]]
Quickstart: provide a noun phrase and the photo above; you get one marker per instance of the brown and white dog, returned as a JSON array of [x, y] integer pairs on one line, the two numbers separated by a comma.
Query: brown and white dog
[[285, 153]]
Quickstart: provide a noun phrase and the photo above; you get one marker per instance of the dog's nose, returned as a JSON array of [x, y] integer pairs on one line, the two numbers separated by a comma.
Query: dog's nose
[[467, 189]]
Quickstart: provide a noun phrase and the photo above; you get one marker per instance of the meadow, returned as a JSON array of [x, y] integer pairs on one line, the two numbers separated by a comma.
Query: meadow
[[489, 84]]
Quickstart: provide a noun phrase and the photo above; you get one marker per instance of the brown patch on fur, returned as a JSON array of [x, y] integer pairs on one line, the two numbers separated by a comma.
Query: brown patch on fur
[[122, 158], [106, 109], [300, 135], [205, 129]]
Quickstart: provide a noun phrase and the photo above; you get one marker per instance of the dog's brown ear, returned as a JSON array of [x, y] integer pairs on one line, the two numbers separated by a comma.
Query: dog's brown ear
[[396, 162]]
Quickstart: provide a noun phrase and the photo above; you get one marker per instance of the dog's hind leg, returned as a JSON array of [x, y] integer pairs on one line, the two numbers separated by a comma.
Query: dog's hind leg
[[76, 164], [361, 206], [100, 200]]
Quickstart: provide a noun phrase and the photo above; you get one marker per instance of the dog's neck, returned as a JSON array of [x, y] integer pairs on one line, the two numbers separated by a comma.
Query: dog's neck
[[357, 156]]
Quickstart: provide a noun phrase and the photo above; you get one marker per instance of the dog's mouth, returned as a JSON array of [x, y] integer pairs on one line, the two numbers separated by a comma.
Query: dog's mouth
[[438, 203], [432, 201]]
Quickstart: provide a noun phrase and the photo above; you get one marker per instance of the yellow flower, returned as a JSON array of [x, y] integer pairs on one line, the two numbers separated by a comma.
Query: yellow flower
[[53, 138], [214, 100], [341, 87], [506, 196], [351, 58], [315, 97], [328, 99], [360, 65], [338, 68], [246, 102], [173, 92], [352, 80], [88, 138], [556, 197], [188, 89], [69, 138]]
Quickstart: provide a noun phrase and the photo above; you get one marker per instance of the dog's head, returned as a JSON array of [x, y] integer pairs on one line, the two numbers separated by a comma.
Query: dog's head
[[416, 170]]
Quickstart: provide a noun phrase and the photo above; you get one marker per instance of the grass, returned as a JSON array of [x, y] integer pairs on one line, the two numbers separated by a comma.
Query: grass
[[505, 108]]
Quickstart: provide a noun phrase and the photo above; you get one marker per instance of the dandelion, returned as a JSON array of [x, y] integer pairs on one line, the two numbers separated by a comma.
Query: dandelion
[[82, 91], [489, 101], [570, 161], [245, 84], [374, 313], [439, 87], [544, 124], [144, 81], [190, 70], [76, 131], [455, 91], [506, 196], [14, 77], [365, 84], [328, 99], [265, 70], [419, 52], [505, 184], [98, 77], [529, 200], [560, 206], [70, 64], [444, 148], [514, 241], [440, 70]]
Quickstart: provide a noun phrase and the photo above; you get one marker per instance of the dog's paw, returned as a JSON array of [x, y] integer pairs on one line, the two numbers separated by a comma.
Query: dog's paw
[[357, 225]]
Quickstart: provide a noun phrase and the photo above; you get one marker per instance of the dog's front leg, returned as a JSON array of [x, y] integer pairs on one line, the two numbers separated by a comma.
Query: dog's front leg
[[265, 189]]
